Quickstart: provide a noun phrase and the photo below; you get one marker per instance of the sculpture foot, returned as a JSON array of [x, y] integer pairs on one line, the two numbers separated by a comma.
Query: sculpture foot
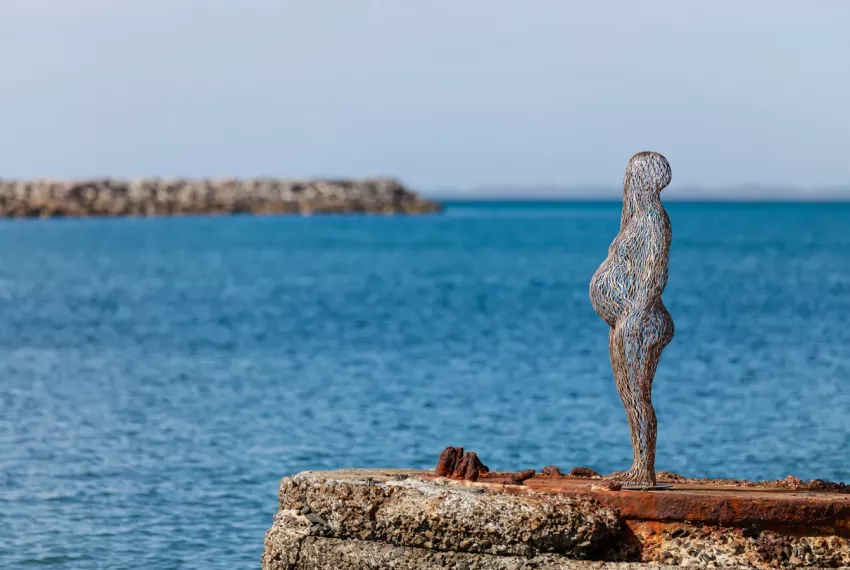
[[635, 478]]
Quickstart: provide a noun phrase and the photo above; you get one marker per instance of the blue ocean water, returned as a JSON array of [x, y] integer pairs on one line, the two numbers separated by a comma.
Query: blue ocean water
[[159, 377]]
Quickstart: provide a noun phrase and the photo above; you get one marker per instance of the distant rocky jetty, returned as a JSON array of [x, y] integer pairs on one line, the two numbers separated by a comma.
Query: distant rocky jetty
[[179, 196]]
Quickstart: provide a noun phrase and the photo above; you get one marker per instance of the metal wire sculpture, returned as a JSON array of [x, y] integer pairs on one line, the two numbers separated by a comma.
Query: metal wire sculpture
[[626, 292]]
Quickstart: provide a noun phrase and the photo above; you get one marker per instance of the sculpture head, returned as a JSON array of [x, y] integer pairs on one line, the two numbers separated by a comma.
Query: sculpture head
[[647, 174]]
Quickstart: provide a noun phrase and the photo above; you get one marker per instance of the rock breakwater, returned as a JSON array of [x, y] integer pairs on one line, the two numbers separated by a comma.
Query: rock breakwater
[[181, 196]]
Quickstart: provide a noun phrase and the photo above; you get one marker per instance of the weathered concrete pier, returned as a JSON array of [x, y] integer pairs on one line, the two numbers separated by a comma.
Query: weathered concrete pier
[[181, 196], [403, 519]]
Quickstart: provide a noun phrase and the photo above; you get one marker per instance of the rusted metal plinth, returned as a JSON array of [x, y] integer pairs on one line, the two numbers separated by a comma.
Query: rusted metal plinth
[[791, 526], [727, 505], [416, 520]]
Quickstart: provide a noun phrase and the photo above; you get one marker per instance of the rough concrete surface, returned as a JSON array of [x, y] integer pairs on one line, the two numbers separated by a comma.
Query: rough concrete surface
[[411, 519], [357, 555]]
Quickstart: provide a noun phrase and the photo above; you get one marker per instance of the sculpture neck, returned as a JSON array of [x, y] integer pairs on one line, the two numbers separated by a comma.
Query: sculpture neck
[[634, 202]]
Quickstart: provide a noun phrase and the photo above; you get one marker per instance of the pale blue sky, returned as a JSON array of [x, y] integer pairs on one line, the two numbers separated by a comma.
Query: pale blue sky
[[445, 94]]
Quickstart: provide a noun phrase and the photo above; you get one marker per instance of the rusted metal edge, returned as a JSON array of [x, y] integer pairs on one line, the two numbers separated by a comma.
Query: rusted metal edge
[[732, 506]]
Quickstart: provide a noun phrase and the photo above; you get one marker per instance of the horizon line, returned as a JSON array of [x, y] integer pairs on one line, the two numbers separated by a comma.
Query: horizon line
[[613, 198], [747, 193]]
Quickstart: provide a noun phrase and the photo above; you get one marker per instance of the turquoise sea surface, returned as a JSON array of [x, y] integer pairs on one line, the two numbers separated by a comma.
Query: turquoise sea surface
[[159, 376]]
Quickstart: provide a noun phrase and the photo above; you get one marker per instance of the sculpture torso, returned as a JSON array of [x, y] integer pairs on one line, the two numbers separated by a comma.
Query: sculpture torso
[[614, 288]]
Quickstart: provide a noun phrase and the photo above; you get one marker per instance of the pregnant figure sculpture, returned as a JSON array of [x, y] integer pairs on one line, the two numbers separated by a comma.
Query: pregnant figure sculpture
[[626, 293]]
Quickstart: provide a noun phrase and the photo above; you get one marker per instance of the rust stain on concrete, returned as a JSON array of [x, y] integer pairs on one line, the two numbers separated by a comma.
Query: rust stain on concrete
[[693, 502]]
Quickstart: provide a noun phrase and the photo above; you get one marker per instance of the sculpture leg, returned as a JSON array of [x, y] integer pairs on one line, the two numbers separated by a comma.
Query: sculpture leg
[[636, 343]]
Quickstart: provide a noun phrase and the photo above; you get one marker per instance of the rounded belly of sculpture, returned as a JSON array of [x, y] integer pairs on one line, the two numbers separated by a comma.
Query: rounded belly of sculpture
[[608, 290]]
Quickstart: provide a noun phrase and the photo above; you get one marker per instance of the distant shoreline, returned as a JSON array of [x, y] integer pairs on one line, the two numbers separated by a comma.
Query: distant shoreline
[[604, 199], [742, 193], [108, 197]]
